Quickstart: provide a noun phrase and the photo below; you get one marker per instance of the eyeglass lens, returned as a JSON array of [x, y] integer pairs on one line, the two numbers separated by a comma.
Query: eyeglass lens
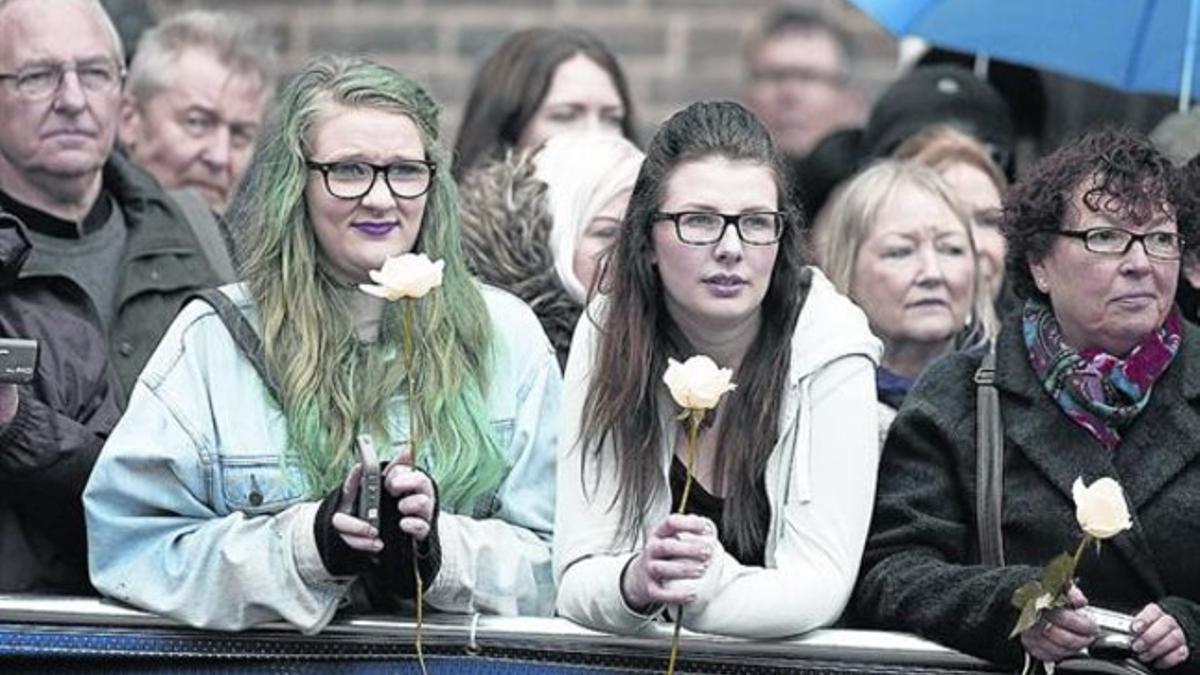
[[707, 228], [351, 180]]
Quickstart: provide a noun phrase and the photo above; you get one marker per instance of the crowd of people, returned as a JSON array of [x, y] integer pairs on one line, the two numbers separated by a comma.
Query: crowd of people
[[222, 385]]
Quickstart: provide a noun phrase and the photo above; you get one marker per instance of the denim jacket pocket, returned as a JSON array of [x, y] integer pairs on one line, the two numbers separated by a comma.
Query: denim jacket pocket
[[258, 485], [502, 429], [489, 504]]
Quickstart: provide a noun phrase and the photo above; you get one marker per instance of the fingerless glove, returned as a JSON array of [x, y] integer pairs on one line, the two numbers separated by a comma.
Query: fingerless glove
[[396, 558]]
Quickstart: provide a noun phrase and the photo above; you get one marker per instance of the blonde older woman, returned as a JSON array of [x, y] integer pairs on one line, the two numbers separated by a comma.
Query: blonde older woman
[[900, 245], [978, 184]]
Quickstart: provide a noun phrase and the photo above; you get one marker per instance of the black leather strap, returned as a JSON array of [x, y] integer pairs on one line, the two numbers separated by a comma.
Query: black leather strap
[[989, 463]]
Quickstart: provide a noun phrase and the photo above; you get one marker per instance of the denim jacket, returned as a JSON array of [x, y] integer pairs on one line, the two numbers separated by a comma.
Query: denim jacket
[[194, 513]]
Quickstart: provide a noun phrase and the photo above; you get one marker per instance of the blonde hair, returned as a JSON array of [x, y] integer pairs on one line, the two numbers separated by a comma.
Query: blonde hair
[[855, 210], [942, 146], [583, 172]]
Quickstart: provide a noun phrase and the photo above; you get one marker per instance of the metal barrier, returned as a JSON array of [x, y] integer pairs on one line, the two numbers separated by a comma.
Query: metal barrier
[[45, 634]]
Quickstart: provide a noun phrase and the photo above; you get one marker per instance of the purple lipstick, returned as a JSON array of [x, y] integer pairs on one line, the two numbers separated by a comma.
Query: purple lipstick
[[373, 228]]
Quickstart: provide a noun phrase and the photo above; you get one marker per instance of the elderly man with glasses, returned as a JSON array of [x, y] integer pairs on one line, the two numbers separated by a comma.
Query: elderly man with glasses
[[101, 238]]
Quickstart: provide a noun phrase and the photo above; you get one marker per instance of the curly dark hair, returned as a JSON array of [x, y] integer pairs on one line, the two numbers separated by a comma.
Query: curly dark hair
[[1125, 177]]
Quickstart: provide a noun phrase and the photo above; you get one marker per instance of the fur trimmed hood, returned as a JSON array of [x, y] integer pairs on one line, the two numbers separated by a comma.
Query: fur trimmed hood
[[506, 224]]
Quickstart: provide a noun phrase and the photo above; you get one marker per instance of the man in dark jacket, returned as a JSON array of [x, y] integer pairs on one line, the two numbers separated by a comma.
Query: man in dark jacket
[[93, 218], [51, 429], [108, 264]]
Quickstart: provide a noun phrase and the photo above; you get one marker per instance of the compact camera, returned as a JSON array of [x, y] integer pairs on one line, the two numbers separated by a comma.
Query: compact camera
[[18, 360], [1116, 633]]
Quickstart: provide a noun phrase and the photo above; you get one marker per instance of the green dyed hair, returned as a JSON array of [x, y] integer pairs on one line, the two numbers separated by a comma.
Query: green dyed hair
[[331, 385]]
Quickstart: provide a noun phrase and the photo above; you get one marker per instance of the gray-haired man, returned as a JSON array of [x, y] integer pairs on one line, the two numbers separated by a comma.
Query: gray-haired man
[[198, 87]]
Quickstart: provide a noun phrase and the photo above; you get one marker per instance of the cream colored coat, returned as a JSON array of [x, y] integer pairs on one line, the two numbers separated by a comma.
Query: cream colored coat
[[820, 482]]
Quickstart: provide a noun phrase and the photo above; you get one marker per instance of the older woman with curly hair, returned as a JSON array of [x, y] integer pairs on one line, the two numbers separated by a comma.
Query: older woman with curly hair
[[1097, 376]]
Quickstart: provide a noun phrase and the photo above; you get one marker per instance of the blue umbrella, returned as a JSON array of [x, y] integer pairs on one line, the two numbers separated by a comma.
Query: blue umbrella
[[1134, 45]]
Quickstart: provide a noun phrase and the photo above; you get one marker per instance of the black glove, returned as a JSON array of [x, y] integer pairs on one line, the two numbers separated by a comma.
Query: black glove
[[394, 574], [337, 556]]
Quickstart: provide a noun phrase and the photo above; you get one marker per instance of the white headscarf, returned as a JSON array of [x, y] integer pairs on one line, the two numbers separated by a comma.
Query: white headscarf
[[583, 172]]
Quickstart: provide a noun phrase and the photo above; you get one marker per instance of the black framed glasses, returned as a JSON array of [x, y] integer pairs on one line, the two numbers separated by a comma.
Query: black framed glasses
[[699, 228], [43, 80], [406, 178], [1116, 241]]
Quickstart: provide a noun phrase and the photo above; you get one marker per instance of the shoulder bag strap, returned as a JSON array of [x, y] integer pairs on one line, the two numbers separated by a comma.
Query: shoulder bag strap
[[243, 333], [989, 462]]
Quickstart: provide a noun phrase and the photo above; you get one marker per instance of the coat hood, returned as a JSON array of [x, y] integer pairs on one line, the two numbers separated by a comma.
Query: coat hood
[[830, 327]]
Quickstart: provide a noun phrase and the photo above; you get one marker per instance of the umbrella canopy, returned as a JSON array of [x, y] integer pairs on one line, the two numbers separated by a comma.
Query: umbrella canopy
[[1134, 45]]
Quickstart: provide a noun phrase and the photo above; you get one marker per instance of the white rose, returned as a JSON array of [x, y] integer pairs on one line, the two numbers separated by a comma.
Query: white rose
[[410, 275], [697, 384], [1100, 508]]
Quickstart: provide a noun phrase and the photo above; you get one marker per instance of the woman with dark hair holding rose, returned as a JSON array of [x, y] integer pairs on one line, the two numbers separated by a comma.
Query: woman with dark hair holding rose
[[709, 262]]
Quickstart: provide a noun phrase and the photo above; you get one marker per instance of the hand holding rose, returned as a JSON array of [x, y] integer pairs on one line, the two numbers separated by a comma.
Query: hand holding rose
[[678, 548], [1061, 632]]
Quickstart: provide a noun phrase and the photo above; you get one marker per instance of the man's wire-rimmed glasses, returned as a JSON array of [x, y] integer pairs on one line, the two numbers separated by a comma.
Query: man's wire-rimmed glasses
[[42, 80]]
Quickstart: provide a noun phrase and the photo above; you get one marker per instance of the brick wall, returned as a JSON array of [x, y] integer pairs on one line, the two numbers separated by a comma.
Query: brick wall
[[673, 51]]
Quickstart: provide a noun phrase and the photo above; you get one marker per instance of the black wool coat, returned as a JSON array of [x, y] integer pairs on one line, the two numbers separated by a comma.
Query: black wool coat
[[921, 570]]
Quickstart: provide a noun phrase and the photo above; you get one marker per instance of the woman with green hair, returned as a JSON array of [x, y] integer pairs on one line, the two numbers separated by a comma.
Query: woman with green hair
[[223, 498]]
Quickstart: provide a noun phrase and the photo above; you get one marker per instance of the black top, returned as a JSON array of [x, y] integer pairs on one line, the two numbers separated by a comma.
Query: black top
[[40, 221], [701, 503]]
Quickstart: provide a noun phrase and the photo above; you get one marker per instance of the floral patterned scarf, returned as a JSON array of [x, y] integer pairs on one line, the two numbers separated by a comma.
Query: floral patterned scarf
[[1098, 391]]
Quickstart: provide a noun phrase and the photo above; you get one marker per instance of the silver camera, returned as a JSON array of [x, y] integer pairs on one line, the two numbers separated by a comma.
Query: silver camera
[[18, 360], [1116, 632]]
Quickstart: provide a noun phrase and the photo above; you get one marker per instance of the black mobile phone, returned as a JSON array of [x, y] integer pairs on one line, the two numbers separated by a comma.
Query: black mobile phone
[[369, 488], [18, 360]]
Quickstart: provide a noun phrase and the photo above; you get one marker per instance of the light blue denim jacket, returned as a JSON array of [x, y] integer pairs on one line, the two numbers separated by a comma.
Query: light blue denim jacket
[[191, 512]]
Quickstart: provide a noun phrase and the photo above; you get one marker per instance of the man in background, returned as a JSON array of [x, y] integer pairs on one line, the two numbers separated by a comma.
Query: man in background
[[96, 261], [198, 88], [799, 67]]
